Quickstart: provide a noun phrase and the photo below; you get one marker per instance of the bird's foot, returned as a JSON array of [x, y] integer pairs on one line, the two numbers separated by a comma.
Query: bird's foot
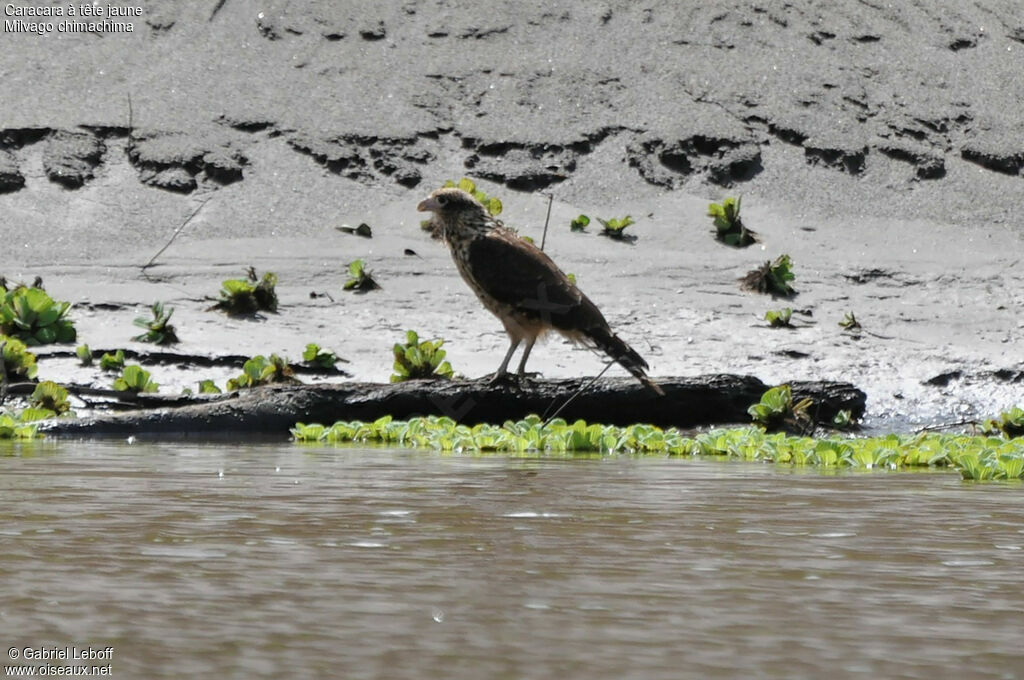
[[501, 378], [511, 379], [531, 375]]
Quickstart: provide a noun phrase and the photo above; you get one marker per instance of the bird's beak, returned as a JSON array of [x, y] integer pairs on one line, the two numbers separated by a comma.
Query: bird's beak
[[427, 205]]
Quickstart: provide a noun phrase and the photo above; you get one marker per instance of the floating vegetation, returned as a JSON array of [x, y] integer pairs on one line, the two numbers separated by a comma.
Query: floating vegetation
[[18, 362], [18, 426], [135, 379], [580, 223], [261, 371], [250, 295], [158, 329], [850, 323], [208, 387], [729, 228], [50, 397], [776, 409], [779, 318], [359, 278], [314, 355], [772, 277], [843, 420], [1009, 423], [974, 457], [417, 360], [84, 355], [616, 228], [33, 317], [112, 362]]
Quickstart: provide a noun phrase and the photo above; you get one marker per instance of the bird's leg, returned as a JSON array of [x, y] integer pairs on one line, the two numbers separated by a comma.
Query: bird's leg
[[503, 369], [521, 371]]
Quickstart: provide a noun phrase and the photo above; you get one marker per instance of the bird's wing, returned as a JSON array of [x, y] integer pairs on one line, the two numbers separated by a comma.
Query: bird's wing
[[517, 273]]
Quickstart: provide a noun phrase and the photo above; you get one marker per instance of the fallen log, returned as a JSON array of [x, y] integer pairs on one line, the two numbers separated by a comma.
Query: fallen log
[[272, 409]]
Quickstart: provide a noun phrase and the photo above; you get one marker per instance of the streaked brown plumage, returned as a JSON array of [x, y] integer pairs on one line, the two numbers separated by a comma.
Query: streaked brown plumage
[[521, 285]]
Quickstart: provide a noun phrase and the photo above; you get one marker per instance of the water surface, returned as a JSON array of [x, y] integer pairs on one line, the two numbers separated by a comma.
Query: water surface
[[272, 561]]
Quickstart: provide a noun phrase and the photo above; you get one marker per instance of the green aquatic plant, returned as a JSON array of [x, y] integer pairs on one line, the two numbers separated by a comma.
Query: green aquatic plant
[[579, 223], [417, 360], [850, 323], [112, 362], [359, 278], [262, 371], [158, 329], [772, 277], [729, 228], [981, 458], [314, 355], [1009, 423], [18, 362], [18, 426], [51, 397], [843, 420], [33, 317], [208, 387], [776, 409], [84, 355], [135, 379], [779, 318], [249, 295], [615, 227]]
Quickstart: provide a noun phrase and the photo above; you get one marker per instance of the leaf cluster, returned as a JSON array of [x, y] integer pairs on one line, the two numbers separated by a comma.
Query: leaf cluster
[[135, 379], [51, 398], [208, 387], [19, 362], [616, 227], [112, 362], [417, 360], [314, 355], [779, 318], [249, 295], [19, 426], [850, 323], [158, 329], [261, 371], [580, 223], [729, 228], [776, 409], [973, 457], [772, 277], [359, 278], [84, 355], [33, 317], [1009, 423]]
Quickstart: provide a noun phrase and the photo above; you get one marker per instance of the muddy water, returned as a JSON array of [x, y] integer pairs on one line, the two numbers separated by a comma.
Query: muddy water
[[274, 561]]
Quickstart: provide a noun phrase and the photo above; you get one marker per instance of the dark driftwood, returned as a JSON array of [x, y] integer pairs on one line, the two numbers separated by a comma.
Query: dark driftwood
[[688, 402]]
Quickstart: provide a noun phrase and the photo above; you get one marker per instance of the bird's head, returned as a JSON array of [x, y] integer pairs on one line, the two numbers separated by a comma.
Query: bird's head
[[454, 208]]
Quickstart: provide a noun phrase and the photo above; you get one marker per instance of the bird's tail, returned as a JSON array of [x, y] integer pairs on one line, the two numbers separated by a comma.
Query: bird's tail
[[616, 348]]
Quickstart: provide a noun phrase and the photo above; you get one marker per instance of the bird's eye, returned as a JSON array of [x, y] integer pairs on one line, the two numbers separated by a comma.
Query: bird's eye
[[442, 201]]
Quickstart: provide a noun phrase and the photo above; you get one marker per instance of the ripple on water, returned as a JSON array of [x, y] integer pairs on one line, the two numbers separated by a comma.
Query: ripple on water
[[752, 570]]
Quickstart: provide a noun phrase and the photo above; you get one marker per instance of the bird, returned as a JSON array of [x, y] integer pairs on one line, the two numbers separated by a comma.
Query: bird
[[521, 285]]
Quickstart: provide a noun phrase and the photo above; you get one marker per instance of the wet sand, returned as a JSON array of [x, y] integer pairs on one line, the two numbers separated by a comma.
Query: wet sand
[[880, 148]]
